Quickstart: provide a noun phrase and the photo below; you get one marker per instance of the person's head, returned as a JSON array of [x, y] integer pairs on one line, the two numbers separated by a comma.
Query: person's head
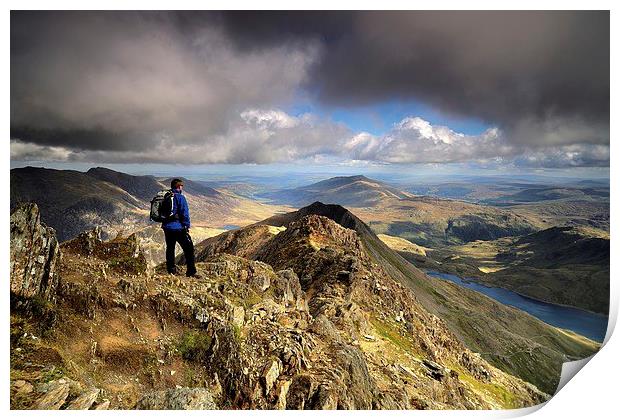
[[176, 184]]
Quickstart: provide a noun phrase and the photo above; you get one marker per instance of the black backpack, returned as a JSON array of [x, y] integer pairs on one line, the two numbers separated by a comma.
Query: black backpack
[[162, 207]]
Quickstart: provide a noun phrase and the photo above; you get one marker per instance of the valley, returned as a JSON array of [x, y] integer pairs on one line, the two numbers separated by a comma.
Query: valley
[[399, 234], [545, 242]]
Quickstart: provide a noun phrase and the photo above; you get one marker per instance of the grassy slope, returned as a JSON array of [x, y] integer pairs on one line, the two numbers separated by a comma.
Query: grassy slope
[[510, 339], [435, 222]]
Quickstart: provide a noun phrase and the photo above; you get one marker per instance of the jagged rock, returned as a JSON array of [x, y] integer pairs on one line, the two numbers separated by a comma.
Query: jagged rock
[[238, 316], [22, 387], [54, 398], [122, 254], [358, 389], [325, 398], [286, 286], [271, 373], [177, 399], [34, 254], [267, 309], [324, 328], [86, 243], [301, 389], [84, 401], [472, 363], [131, 287], [282, 392], [104, 405], [435, 370]]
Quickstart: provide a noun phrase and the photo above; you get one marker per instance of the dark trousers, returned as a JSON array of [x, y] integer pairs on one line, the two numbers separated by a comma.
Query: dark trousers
[[182, 238]]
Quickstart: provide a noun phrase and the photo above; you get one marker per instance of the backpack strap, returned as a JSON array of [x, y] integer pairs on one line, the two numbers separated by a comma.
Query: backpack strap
[[175, 209]]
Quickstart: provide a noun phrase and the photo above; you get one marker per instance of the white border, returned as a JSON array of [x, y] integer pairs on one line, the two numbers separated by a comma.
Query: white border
[[593, 394]]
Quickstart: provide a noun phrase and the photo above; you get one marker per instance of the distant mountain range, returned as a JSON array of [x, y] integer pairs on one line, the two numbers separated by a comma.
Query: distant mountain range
[[357, 191], [72, 201]]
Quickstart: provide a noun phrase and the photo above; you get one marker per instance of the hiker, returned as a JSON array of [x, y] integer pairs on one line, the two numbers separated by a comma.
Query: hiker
[[177, 230]]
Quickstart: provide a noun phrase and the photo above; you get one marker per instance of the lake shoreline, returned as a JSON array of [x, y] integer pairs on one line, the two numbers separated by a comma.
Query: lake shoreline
[[588, 324]]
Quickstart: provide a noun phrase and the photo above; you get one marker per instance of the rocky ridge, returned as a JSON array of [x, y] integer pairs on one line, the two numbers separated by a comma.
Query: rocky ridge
[[508, 338], [319, 325]]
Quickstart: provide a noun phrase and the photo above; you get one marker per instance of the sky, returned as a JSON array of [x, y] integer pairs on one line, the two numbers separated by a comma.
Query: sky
[[507, 91]]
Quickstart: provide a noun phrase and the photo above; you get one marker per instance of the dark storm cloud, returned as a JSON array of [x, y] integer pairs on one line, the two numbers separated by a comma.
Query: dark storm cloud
[[208, 86], [138, 80], [527, 71]]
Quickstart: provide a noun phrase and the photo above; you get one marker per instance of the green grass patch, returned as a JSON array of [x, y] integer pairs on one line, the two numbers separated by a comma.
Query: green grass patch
[[500, 394], [194, 345], [393, 334], [128, 265]]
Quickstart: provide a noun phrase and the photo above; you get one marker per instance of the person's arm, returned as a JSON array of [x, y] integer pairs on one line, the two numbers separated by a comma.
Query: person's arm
[[184, 211]]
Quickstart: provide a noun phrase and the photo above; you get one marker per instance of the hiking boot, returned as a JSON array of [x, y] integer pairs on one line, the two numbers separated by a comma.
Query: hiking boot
[[194, 275], [173, 272]]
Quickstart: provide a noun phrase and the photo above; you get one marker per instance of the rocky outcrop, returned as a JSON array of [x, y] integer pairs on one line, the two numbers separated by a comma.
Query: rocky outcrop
[[34, 254], [122, 253], [242, 242], [86, 243]]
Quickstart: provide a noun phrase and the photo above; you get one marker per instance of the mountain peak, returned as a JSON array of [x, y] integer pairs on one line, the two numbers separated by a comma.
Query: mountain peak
[[353, 191], [354, 178]]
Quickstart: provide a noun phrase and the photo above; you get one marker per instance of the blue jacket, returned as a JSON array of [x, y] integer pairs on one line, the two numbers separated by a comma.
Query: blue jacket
[[182, 210]]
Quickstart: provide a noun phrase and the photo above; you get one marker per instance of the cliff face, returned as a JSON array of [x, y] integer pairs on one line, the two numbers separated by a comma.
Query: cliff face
[[34, 254], [306, 320]]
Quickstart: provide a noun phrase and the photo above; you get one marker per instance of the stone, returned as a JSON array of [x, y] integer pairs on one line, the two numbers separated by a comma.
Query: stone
[[84, 401], [400, 317], [177, 399], [283, 391], [104, 405], [271, 373], [86, 243], [22, 387], [238, 316], [287, 289], [52, 399], [434, 370]]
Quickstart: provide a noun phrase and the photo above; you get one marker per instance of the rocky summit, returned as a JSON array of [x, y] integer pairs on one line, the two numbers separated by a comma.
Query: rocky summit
[[298, 317]]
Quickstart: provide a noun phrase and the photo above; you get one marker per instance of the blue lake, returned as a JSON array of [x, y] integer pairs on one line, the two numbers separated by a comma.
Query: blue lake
[[588, 324], [230, 227]]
